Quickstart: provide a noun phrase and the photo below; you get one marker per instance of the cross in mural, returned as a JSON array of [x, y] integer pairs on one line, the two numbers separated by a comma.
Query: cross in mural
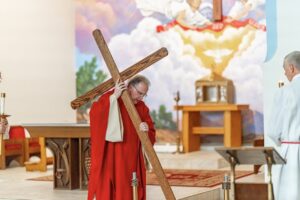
[[217, 10]]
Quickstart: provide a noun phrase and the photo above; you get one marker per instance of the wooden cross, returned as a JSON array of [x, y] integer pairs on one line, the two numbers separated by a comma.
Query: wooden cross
[[217, 10], [133, 114], [126, 74]]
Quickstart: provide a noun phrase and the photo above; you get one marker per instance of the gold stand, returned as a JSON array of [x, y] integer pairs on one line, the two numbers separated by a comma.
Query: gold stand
[[226, 186], [233, 161], [178, 138], [134, 184], [270, 184]]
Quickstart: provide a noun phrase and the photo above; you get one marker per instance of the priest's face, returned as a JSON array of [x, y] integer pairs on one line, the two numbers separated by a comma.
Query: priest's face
[[138, 92]]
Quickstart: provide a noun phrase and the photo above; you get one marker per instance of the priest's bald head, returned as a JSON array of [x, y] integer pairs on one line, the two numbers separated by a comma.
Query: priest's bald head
[[291, 64]]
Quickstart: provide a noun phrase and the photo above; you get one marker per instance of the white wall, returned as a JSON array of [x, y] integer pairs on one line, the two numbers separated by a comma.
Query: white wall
[[37, 60], [288, 31]]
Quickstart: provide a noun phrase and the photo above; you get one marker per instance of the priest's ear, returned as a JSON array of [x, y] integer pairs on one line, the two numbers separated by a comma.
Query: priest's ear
[[292, 68]]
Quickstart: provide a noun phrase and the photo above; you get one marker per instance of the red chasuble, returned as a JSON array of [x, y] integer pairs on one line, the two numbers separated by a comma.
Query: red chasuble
[[112, 164]]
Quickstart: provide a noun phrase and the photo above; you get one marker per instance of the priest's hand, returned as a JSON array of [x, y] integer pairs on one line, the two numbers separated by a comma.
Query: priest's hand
[[119, 87], [144, 127]]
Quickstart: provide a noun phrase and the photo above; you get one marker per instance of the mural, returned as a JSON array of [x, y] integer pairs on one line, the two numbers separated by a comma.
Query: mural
[[234, 47]]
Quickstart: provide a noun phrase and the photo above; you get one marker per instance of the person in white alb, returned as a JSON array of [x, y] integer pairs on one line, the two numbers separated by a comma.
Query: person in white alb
[[284, 130]]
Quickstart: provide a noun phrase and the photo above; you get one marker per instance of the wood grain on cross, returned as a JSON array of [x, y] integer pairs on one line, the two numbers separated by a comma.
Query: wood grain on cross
[[134, 116], [126, 74], [217, 10]]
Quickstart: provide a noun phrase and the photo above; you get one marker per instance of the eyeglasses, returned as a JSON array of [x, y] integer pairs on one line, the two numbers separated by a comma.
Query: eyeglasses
[[140, 93]]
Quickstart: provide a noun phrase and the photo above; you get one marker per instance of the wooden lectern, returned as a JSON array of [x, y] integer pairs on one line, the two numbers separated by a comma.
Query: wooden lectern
[[251, 156]]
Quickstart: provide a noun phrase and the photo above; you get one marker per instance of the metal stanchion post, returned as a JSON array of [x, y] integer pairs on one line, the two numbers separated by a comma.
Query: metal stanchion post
[[226, 186], [134, 184], [178, 138]]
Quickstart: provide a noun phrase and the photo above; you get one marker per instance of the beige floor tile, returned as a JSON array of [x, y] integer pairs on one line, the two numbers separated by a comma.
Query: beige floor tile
[[15, 186]]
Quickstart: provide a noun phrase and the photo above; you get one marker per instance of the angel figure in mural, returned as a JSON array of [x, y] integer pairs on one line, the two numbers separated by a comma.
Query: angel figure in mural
[[241, 8], [186, 12]]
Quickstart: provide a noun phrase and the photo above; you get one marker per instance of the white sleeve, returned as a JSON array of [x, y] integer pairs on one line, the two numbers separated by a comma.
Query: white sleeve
[[275, 124], [114, 131]]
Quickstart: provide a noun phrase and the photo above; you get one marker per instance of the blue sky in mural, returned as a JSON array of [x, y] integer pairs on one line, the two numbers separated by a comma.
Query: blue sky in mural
[[81, 58], [112, 17], [131, 36]]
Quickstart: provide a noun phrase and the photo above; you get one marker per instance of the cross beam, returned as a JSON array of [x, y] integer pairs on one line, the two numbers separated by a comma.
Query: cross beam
[[134, 116], [126, 74], [217, 10]]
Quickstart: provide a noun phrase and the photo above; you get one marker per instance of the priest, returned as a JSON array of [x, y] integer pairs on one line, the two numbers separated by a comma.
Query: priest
[[116, 151], [285, 131]]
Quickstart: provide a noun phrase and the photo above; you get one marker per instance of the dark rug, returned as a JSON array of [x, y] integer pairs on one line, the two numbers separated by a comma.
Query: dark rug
[[182, 177], [194, 178]]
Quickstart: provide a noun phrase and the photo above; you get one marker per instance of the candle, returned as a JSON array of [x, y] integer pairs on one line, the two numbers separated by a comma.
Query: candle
[[2, 103]]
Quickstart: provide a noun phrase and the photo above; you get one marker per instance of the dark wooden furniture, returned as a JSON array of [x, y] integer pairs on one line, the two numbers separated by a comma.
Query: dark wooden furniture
[[251, 191], [70, 145]]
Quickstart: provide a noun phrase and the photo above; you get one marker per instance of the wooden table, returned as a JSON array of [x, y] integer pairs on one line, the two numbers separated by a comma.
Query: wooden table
[[191, 128], [70, 144]]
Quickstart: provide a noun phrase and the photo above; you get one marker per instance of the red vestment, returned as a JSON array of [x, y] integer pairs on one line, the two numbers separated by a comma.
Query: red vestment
[[112, 163]]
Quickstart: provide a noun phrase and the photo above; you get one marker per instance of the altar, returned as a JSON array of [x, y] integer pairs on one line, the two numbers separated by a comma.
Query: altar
[[192, 129], [70, 144]]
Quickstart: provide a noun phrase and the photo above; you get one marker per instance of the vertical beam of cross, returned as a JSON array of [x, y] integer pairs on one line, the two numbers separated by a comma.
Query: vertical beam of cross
[[134, 116], [217, 10]]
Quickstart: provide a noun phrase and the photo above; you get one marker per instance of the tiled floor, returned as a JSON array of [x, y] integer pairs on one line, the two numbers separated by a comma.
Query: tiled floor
[[15, 186]]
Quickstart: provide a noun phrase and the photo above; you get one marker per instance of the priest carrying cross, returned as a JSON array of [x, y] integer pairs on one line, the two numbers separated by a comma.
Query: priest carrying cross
[[114, 157], [118, 151]]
